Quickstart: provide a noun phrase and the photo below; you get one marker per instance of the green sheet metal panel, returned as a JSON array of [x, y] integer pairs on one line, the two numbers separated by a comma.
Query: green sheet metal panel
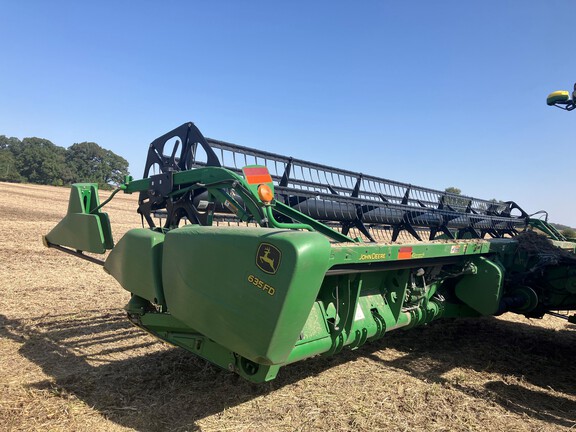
[[482, 289], [136, 263], [249, 289], [80, 229]]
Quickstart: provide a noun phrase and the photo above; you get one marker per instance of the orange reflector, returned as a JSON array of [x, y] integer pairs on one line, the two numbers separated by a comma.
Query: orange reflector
[[265, 193], [405, 253], [257, 175]]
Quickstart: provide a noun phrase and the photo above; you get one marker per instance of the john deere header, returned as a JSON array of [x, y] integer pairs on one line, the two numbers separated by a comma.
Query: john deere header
[[254, 260]]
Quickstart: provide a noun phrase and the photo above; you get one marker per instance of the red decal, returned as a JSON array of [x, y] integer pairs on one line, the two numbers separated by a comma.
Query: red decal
[[260, 170], [405, 253], [257, 175]]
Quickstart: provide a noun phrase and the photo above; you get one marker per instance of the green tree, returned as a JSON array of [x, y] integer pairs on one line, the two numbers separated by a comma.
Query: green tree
[[8, 170], [40, 161], [453, 190], [8, 143], [569, 233], [37, 160], [117, 168], [91, 163], [457, 203]]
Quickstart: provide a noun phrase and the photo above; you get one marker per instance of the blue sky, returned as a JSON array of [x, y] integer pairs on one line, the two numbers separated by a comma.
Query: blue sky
[[437, 94]]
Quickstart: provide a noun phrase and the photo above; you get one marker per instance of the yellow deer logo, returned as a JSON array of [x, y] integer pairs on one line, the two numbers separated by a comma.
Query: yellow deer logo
[[268, 258]]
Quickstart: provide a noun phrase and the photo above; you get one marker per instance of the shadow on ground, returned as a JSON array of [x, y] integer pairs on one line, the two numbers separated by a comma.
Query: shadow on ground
[[148, 386], [539, 358]]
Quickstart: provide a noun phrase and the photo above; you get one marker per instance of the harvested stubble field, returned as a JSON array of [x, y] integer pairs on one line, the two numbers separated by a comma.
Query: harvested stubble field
[[70, 361]]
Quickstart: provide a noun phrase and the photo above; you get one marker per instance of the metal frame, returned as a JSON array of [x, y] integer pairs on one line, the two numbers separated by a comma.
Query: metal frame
[[353, 200]]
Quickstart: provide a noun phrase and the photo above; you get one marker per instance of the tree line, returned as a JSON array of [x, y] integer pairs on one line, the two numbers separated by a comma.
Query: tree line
[[37, 160]]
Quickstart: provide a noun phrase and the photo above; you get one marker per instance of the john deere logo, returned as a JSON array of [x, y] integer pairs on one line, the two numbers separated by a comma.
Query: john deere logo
[[268, 258]]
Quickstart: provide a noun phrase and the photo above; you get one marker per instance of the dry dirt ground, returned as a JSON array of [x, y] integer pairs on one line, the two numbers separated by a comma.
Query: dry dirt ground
[[70, 361]]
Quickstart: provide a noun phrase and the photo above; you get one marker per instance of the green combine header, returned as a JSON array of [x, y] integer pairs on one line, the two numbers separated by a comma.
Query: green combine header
[[254, 260]]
